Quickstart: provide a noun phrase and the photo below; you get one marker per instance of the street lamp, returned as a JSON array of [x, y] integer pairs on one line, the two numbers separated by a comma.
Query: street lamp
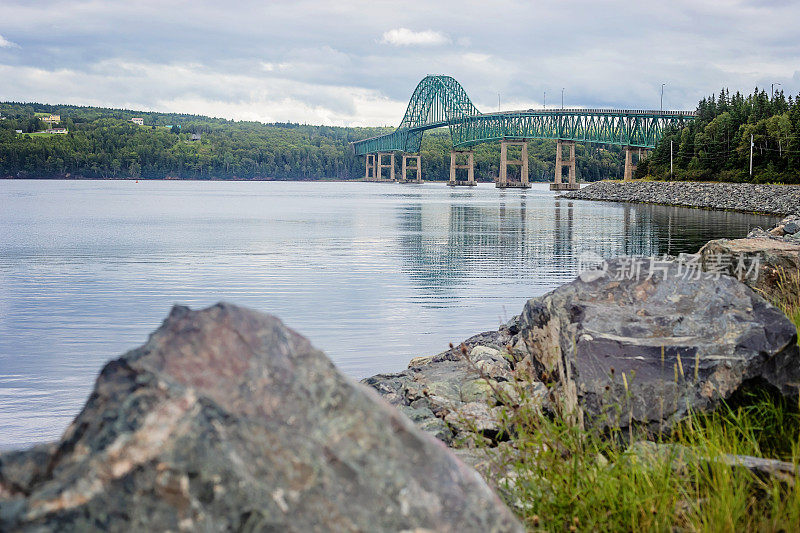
[[545, 99], [562, 98], [662, 97]]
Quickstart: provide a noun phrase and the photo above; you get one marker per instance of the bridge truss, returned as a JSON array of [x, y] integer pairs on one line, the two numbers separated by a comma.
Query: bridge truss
[[440, 101]]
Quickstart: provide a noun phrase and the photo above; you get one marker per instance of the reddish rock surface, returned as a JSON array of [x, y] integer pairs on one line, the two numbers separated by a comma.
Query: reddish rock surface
[[226, 420]]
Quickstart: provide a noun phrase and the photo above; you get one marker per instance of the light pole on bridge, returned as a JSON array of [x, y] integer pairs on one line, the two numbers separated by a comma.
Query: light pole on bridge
[[562, 98], [662, 97], [772, 90]]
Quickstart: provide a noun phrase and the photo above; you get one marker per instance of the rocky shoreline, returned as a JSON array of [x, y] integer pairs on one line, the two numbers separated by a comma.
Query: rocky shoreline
[[621, 331], [227, 420], [746, 197]]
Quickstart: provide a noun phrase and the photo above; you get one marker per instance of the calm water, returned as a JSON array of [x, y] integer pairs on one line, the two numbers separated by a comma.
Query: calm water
[[374, 274]]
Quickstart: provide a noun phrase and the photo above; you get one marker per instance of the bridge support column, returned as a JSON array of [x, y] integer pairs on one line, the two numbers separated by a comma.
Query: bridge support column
[[370, 160], [571, 184], [470, 167], [406, 167], [630, 168], [503, 181], [379, 166]]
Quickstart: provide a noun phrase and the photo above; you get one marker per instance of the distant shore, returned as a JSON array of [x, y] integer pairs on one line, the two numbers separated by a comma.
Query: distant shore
[[69, 177], [769, 199], [126, 178]]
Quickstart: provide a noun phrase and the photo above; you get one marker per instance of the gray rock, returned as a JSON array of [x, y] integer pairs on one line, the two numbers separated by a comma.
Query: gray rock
[[791, 228], [478, 417], [772, 261], [227, 420], [758, 233], [491, 363], [428, 422], [451, 398], [641, 351], [478, 371], [773, 199]]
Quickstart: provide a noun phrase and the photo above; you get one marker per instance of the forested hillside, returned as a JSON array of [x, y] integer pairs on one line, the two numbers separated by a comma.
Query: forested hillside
[[105, 144], [716, 146]]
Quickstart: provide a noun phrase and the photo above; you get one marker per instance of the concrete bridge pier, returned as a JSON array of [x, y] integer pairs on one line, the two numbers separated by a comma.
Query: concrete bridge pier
[[630, 167], [470, 167], [380, 165], [406, 167], [370, 160], [571, 184], [502, 180]]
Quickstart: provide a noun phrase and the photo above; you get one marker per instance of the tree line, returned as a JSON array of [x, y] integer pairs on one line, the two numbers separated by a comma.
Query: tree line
[[716, 145], [105, 144]]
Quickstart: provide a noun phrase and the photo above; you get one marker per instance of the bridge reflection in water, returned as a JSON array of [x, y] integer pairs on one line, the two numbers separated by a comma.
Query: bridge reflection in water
[[446, 246]]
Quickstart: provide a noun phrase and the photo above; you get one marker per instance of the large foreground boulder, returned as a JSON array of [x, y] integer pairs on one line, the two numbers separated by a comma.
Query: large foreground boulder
[[633, 342], [642, 342], [226, 420]]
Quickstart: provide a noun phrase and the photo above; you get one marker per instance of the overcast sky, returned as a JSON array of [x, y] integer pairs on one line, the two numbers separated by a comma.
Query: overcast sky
[[356, 63]]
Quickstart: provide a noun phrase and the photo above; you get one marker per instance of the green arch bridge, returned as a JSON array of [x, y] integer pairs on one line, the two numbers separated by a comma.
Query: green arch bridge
[[440, 101]]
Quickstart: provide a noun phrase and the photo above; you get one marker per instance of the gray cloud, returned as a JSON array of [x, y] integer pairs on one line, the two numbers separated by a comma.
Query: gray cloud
[[357, 62]]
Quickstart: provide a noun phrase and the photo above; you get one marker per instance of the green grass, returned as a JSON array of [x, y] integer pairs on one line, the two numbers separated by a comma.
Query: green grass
[[558, 477], [787, 296], [794, 316], [40, 134]]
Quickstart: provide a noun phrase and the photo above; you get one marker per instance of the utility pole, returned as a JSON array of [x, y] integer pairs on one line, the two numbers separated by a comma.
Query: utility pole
[[662, 97], [751, 155], [670, 157]]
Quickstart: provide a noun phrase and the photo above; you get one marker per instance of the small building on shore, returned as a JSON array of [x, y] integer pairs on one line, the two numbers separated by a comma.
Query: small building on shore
[[58, 131], [138, 121]]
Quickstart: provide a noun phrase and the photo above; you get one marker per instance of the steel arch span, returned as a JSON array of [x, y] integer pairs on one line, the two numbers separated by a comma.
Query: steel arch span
[[440, 101]]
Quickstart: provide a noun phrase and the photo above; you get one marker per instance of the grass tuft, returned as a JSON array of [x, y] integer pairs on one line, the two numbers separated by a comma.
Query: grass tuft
[[557, 476], [784, 294]]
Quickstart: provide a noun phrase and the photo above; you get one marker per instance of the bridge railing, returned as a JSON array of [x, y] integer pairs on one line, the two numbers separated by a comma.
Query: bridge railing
[[595, 111]]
